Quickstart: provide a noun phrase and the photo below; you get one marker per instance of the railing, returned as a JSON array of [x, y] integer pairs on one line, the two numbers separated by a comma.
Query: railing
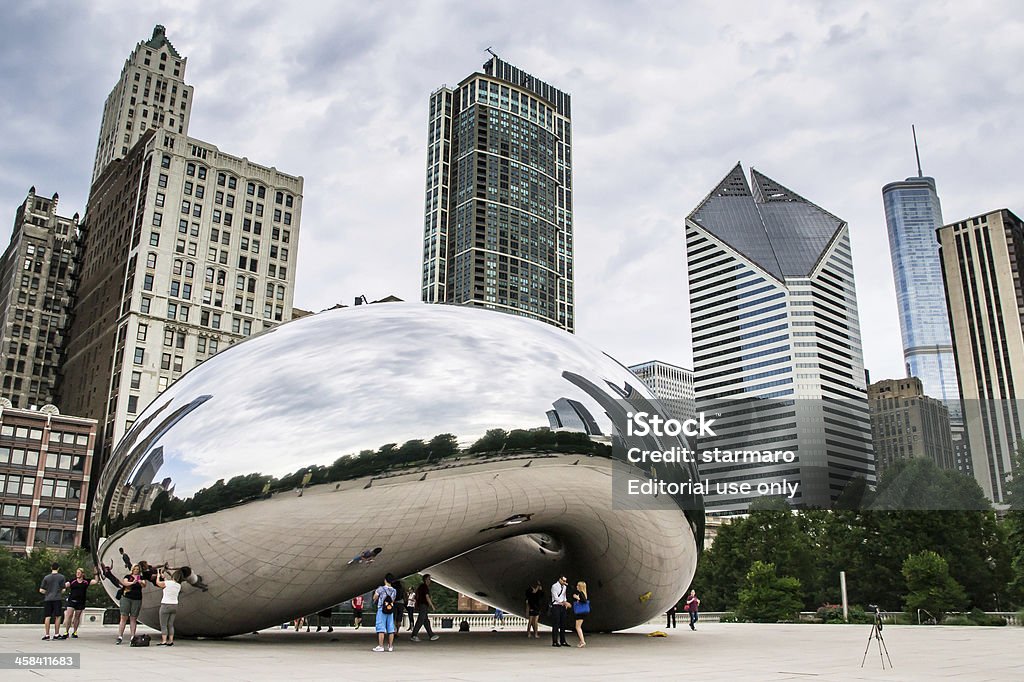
[[33, 615], [888, 617]]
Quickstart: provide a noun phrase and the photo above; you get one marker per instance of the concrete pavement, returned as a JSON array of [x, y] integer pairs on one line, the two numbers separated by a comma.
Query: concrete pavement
[[714, 652]]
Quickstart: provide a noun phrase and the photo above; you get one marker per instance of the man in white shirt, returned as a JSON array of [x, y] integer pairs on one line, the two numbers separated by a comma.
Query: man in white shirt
[[559, 612]]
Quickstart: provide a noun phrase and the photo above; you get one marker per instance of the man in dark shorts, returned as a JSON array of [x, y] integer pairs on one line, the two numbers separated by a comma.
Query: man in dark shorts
[[52, 588]]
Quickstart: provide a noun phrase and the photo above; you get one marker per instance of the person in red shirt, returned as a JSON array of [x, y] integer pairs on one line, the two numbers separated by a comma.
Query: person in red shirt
[[357, 610]]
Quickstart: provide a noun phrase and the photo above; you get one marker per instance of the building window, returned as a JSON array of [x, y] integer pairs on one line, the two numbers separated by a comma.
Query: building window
[[140, 335], [136, 379]]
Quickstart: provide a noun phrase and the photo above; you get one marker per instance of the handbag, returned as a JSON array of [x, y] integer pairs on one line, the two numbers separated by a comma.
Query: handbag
[[581, 608]]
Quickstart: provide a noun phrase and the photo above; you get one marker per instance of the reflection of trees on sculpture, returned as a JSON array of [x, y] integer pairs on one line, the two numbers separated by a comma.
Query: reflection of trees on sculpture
[[388, 458]]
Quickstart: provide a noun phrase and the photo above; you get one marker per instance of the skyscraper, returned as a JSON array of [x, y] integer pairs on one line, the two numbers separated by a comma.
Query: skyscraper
[[498, 215], [187, 249], [912, 215], [982, 262], [906, 423], [38, 273], [151, 93], [672, 385], [776, 340]]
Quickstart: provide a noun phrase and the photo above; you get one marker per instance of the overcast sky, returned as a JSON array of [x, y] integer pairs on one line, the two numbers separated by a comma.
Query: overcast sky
[[667, 97]]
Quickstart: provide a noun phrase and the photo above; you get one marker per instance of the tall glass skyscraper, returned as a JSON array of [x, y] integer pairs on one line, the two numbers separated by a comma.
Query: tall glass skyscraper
[[912, 215], [498, 212]]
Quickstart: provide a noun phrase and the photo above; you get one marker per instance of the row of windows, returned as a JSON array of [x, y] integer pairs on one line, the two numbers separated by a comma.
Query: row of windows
[[21, 432], [30, 458], [24, 511], [14, 484], [53, 537]]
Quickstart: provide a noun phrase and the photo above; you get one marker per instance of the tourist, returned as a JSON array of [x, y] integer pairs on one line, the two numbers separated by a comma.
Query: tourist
[[325, 614], [52, 589], [580, 608], [692, 605], [670, 616], [168, 604], [424, 605], [410, 608], [499, 618], [534, 597], [125, 558], [384, 597], [559, 611], [400, 602], [131, 601], [77, 589], [357, 610]]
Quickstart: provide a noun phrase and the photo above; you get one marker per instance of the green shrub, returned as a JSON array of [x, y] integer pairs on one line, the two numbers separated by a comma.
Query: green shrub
[[728, 617], [829, 613], [979, 617], [958, 620], [929, 585], [860, 616], [768, 598]]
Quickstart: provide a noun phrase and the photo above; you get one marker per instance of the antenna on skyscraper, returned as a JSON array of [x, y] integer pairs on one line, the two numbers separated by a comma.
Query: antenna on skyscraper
[[916, 152], [492, 53]]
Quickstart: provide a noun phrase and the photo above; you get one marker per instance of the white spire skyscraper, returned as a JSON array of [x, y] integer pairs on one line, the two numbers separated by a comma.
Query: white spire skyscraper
[[912, 215]]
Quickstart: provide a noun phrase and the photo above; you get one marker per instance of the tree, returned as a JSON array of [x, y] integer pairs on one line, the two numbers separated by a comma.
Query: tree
[[443, 445], [768, 598], [919, 484], [930, 587], [492, 441]]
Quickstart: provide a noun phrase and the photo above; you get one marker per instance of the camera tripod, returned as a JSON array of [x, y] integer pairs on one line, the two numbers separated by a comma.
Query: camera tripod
[[876, 634]]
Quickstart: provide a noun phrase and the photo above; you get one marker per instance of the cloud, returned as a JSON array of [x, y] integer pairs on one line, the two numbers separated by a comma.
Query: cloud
[[666, 98]]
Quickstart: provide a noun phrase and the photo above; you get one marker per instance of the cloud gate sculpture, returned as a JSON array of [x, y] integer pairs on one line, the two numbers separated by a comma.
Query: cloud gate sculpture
[[482, 447]]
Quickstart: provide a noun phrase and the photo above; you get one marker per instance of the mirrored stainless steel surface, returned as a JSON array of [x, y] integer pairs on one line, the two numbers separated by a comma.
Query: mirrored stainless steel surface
[[475, 445]]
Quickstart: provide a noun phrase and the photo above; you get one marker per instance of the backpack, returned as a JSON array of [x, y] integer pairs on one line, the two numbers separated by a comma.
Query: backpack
[[388, 606], [140, 640]]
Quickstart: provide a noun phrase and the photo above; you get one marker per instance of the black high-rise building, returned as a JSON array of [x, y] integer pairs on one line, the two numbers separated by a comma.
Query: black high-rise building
[[498, 214]]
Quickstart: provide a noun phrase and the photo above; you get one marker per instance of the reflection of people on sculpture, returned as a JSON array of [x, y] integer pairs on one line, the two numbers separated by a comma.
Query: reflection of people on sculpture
[[147, 572], [366, 556], [193, 579], [125, 558]]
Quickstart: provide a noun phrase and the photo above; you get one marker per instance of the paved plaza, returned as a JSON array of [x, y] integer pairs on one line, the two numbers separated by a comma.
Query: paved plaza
[[714, 652]]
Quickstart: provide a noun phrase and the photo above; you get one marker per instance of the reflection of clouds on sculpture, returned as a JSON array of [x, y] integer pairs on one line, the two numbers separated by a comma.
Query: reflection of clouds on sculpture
[[532, 494], [375, 378]]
